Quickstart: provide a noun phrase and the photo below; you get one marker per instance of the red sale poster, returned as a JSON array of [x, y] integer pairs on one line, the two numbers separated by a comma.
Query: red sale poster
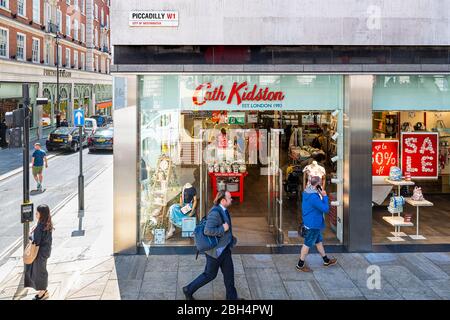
[[384, 156], [420, 154]]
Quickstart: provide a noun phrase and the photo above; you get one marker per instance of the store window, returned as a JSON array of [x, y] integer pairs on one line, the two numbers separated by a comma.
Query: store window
[[47, 109], [257, 136], [411, 159]]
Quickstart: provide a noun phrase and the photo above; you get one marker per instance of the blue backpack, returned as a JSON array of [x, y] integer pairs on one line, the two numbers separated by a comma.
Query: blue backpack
[[202, 241]]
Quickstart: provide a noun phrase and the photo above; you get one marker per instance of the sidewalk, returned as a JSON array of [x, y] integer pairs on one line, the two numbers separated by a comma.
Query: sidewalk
[[84, 268], [11, 159]]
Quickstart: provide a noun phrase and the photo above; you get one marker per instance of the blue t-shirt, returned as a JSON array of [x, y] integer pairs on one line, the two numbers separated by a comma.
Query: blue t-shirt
[[39, 156]]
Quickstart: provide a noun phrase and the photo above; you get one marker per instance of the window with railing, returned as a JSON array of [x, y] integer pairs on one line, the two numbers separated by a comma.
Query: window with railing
[[59, 20], [37, 11], [36, 51], [68, 25], [4, 43], [75, 59], [21, 7], [20, 52], [67, 58], [75, 29], [48, 48], [83, 61], [4, 4], [83, 33]]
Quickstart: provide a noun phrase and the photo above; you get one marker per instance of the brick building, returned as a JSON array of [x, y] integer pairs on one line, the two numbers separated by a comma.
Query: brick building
[[29, 53]]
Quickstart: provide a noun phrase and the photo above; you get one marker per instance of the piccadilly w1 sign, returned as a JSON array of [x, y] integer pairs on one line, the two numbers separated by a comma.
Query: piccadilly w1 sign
[[153, 19]]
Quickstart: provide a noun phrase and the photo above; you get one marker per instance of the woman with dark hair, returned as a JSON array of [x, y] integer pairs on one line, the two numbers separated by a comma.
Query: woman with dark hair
[[36, 275]]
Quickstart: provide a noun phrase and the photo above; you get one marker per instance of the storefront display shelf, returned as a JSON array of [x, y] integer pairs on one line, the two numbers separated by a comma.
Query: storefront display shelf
[[397, 222], [418, 204]]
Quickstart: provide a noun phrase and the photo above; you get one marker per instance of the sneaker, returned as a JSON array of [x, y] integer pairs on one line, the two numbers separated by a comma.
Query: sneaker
[[304, 268], [330, 262], [38, 186], [187, 295]]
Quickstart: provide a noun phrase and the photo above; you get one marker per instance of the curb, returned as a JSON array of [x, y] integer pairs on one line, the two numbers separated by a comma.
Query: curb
[[16, 244], [19, 170]]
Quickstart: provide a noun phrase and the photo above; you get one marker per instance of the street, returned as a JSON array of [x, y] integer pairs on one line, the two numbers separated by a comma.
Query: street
[[60, 181]]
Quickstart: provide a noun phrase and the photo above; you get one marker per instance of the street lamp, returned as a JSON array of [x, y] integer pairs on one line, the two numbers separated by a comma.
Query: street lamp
[[58, 115]]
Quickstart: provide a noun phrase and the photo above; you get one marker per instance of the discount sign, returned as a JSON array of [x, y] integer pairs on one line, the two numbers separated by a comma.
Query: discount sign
[[420, 154], [384, 156]]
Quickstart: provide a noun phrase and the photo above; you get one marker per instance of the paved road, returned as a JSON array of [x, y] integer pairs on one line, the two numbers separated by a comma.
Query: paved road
[[60, 180]]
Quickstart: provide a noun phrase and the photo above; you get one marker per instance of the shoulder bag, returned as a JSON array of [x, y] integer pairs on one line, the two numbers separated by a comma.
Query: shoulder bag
[[30, 253]]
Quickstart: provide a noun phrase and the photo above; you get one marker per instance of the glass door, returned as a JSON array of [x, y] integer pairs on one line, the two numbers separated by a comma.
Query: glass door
[[275, 186]]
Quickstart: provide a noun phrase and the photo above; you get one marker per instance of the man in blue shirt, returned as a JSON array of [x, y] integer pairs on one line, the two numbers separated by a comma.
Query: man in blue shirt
[[314, 206], [37, 163]]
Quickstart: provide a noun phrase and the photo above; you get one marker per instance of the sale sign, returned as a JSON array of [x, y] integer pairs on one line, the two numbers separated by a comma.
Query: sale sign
[[420, 154], [384, 156]]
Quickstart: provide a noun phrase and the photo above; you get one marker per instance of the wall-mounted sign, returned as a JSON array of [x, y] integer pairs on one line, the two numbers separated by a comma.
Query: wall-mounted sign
[[153, 19], [159, 236], [236, 117], [384, 156], [53, 73], [420, 154], [241, 94]]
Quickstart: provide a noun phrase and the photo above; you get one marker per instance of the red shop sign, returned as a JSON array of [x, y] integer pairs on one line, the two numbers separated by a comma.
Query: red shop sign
[[384, 156], [239, 92], [420, 154]]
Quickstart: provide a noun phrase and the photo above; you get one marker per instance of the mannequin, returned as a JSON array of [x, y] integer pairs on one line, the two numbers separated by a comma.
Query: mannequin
[[186, 208], [314, 169]]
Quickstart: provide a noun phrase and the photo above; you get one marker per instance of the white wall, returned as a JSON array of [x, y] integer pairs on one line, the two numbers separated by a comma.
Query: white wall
[[288, 22]]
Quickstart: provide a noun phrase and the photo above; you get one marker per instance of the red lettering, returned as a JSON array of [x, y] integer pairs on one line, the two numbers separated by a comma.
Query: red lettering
[[198, 91], [235, 92]]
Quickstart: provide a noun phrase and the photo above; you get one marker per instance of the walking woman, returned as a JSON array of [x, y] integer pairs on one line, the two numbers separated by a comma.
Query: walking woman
[[36, 275]]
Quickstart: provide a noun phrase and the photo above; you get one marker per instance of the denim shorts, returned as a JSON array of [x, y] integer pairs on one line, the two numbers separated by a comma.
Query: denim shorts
[[312, 237]]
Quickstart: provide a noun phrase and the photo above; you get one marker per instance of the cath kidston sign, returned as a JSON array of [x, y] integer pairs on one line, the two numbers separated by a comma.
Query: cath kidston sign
[[153, 19], [420, 152]]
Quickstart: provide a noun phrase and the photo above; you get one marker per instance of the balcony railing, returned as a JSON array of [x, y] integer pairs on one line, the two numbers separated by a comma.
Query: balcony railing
[[105, 49]]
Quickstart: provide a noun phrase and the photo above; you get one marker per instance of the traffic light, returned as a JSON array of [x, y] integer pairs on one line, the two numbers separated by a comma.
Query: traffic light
[[18, 118]]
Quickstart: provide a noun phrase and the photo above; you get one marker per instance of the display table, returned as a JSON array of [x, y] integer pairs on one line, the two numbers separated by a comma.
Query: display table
[[241, 176], [399, 183], [418, 204], [397, 222]]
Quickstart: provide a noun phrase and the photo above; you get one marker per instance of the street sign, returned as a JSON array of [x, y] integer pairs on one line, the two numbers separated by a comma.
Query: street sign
[[26, 212], [78, 117]]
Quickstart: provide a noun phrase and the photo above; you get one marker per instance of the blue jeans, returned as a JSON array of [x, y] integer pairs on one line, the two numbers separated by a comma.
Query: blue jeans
[[225, 263], [312, 237]]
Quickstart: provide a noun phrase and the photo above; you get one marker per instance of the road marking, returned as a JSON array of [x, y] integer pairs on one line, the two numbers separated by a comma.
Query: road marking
[[19, 170]]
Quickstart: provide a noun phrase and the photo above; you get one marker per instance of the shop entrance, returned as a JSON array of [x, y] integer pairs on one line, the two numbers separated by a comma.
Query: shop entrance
[[263, 158]]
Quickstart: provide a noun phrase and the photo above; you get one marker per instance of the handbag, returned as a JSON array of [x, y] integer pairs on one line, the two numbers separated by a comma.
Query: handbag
[[30, 253], [202, 241]]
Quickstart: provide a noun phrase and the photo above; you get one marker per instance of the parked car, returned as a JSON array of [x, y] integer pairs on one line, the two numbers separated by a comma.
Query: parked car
[[90, 126], [103, 139], [66, 138], [101, 120]]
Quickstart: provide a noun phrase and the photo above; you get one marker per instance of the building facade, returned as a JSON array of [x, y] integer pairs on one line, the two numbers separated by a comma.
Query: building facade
[[254, 97], [29, 53]]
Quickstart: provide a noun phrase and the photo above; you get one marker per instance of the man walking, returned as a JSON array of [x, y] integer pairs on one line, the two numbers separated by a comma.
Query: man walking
[[314, 205], [218, 224], [37, 163]]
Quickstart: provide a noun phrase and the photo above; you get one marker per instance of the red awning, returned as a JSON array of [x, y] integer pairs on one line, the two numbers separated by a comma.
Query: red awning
[[104, 105]]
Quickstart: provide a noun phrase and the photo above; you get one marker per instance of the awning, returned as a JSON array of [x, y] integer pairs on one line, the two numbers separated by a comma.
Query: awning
[[103, 105]]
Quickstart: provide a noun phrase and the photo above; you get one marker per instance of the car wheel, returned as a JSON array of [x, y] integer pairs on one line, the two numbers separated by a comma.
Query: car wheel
[[91, 150], [75, 147]]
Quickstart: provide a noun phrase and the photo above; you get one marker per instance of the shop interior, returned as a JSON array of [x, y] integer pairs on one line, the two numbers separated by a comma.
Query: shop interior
[[422, 222], [261, 157]]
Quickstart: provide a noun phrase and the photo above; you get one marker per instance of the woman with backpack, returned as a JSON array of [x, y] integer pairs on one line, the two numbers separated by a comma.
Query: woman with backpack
[[218, 224]]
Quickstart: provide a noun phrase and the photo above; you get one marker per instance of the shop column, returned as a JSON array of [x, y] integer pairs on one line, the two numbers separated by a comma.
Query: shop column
[[358, 163]]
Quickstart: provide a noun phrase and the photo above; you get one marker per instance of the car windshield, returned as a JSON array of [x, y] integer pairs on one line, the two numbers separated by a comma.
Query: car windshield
[[104, 133], [62, 130]]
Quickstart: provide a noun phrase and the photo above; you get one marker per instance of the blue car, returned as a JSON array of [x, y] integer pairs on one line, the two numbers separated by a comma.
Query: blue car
[[103, 139]]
